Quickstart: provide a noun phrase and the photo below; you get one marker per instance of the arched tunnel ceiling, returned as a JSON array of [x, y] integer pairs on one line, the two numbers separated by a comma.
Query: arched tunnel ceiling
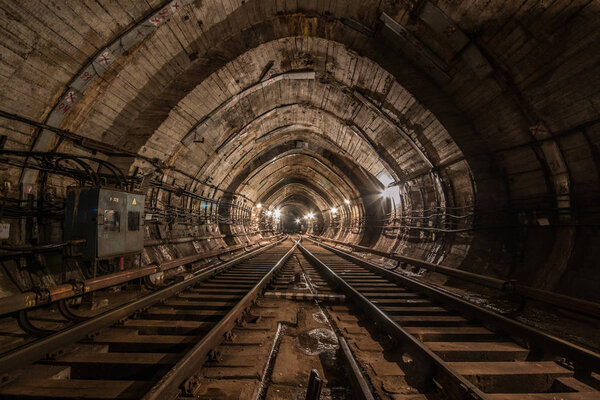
[[492, 107], [308, 81], [294, 163], [257, 159]]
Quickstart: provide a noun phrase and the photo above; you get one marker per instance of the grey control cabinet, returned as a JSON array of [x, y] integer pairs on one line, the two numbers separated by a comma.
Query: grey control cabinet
[[109, 220]]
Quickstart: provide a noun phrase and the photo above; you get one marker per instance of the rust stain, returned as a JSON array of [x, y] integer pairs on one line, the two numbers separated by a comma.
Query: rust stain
[[175, 155], [302, 25]]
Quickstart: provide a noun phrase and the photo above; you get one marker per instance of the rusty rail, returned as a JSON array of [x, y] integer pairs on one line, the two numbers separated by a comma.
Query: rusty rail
[[40, 348], [169, 385], [358, 382], [559, 300], [433, 367], [44, 296], [584, 360]]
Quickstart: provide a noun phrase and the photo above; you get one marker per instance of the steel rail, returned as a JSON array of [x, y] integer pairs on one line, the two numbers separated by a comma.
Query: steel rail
[[584, 360], [32, 299], [454, 272], [358, 382], [360, 386], [556, 299], [170, 384], [434, 368], [40, 348]]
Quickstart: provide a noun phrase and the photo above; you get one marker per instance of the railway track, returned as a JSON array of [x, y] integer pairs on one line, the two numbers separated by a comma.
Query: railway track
[[148, 348], [288, 334], [458, 348], [441, 347]]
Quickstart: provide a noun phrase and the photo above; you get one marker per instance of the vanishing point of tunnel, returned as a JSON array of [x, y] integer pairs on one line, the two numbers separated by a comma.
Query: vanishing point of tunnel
[[300, 199]]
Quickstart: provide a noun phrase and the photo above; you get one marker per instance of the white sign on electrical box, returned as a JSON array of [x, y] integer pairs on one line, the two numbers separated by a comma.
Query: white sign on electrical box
[[4, 231]]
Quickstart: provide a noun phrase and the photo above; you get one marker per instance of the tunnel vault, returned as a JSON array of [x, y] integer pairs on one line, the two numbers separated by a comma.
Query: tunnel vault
[[428, 130]]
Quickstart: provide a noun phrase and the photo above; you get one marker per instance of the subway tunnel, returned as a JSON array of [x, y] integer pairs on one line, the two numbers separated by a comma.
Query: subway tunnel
[[211, 199]]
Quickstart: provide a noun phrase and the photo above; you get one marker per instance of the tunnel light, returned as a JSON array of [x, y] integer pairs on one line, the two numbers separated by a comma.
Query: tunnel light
[[387, 192], [346, 201], [385, 179], [259, 206], [297, 220], [269, 213], [334, 210], [277, 213], [310, 215], [392, 192]]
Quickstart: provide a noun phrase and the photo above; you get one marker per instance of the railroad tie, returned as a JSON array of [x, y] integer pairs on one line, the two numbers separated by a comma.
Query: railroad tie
[[335, 298]]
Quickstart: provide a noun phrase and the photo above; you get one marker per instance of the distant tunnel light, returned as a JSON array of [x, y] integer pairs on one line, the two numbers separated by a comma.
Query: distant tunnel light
[[269, 213], [259, 206], [277, 213], [346, 201], [297, 220], [392, 192], [334, 210]]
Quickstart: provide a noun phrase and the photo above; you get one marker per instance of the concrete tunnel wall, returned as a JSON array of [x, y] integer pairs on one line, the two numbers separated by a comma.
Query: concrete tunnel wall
[[484, 117]]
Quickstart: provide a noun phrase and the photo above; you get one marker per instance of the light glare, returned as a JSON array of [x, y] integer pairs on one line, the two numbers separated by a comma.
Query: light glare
[[392, 192]]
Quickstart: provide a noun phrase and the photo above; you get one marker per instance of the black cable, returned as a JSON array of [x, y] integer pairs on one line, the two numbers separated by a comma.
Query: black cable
[[81, 160]]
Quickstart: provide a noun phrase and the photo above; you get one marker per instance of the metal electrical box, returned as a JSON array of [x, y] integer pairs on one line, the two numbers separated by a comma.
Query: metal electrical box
[[109, 220]]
